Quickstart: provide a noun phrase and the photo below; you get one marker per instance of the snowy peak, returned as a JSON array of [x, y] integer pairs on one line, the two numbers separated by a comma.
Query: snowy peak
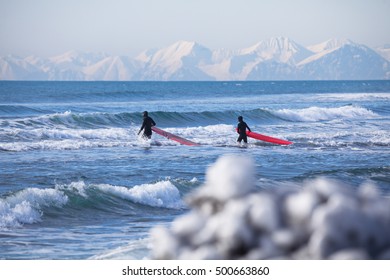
[[17, 68], [348, 62], [182, 48], [271, 59], [145, 56], [178, 51], [111, 69], [77, 58], [279, 49], [329, 45], [384, 51], [176, 62]]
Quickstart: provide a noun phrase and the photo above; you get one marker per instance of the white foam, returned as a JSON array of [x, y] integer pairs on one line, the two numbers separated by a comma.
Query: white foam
[[80, 188], [314, 114], [323, 219], [58, 145], [352, 97], [134, 250], [66, 133], [161, 194], [61, 138], [220, 134], [25, 207], [66, 139]]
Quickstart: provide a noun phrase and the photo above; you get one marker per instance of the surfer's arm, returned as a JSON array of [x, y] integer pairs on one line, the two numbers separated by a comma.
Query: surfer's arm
[[142, 127]]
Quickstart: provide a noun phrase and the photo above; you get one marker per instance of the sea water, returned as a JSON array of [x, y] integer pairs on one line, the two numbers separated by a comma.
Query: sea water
[[77, 182]]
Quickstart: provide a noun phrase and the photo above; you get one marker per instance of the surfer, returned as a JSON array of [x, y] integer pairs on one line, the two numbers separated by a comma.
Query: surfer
[[241, 130], [147, 125]]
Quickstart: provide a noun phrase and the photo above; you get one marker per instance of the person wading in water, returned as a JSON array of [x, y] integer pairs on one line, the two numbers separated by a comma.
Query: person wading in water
[[241, 130], [147, 126]]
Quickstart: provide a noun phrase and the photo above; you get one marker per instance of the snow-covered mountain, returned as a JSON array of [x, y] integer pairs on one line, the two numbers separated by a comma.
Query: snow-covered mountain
[[384, 51], [278, 49], [346, 61], [112, 68], [181, 61], [329, 45], [274, 59], [264, 60], [16, 68]]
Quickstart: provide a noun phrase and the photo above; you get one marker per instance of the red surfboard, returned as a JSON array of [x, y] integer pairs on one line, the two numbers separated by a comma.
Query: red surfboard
[[174, 137], [266, 138]]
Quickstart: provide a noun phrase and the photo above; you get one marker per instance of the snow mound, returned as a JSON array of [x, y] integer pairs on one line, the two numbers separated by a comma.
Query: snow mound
[[231, 219]]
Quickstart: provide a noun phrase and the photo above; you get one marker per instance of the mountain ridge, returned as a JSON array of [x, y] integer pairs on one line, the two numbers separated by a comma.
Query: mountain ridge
[[278, 58]]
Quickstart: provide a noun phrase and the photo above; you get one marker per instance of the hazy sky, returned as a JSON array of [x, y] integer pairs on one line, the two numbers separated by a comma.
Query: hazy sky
[[127, 27]]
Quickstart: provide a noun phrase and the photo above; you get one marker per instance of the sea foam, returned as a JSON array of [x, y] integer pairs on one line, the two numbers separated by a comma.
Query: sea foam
[[160, 194], [26, 206], [231, 218], [313, 114]]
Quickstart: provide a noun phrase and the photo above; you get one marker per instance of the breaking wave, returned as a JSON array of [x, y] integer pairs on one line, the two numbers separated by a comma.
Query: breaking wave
[[30, 205], [27, 206], [314, 114], [166, 118]]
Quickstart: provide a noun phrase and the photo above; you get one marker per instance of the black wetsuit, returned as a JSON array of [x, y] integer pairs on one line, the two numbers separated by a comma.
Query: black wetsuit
[[241, 129], [147, 126]]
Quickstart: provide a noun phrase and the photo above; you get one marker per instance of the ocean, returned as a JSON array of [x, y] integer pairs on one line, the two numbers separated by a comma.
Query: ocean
[[77, 182]]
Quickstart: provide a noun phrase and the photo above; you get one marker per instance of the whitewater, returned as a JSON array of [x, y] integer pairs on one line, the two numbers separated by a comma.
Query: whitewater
[[77, 182]]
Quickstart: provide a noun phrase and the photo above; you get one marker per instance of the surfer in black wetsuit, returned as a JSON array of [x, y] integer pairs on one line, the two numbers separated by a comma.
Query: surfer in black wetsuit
[[241, 130], [147, 126]]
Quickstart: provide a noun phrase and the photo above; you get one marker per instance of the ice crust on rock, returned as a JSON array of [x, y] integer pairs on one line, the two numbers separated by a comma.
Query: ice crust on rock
[[232, 219]]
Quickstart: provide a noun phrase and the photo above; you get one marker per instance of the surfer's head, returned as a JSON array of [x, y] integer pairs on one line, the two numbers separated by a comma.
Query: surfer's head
[[240, 118], [145, 113]]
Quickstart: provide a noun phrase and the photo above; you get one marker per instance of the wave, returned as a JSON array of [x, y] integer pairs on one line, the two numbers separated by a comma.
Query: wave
[[28, 206], [69, 119], [20, 110], [64, 131], [161, 194], [314, 114]]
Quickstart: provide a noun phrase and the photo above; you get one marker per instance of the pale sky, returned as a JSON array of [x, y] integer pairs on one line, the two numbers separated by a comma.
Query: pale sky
[[127, 27]]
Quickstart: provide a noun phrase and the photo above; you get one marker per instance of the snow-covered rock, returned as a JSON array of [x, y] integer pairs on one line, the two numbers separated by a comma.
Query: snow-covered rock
[[232, 219]]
